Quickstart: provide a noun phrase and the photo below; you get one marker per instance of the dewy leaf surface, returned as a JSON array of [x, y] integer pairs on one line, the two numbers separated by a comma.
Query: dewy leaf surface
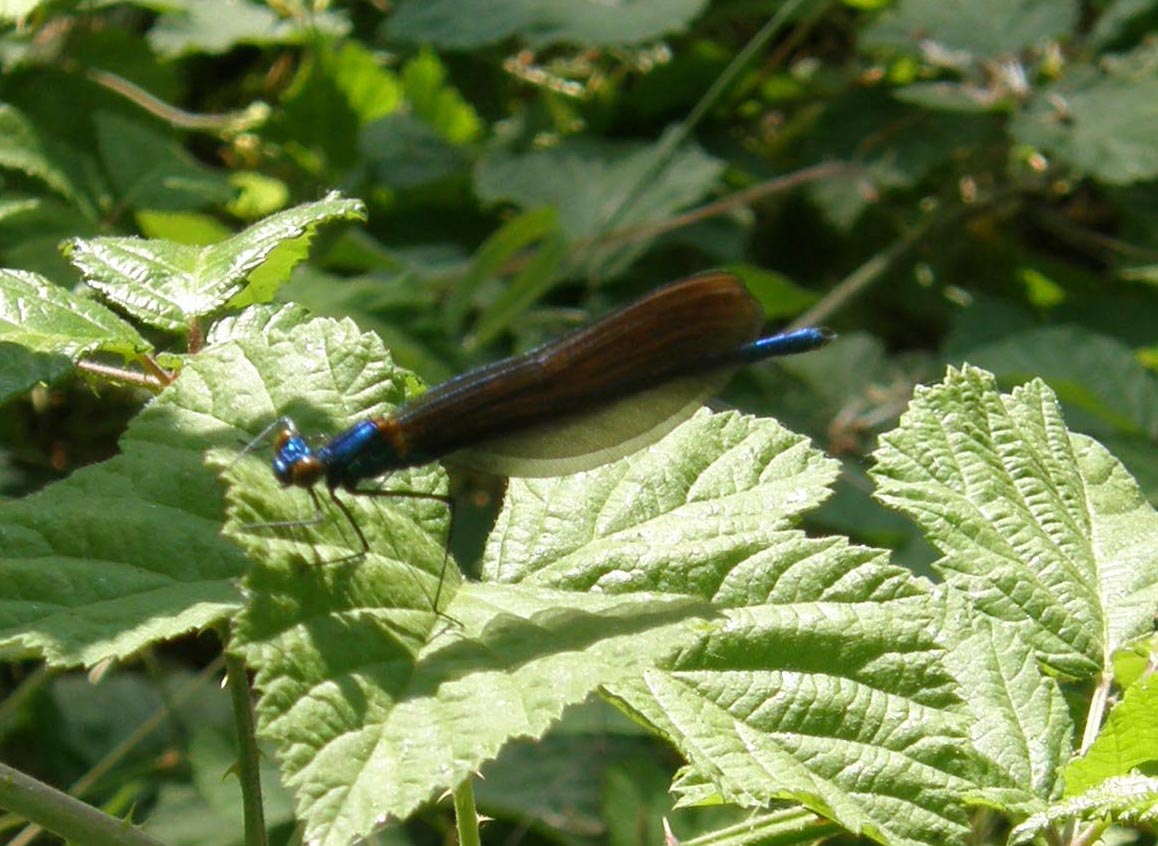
[[1040, 527], [375, 703], [169, 285]]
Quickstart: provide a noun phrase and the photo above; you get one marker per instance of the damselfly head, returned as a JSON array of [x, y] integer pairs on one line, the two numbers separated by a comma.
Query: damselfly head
[[294, 460]]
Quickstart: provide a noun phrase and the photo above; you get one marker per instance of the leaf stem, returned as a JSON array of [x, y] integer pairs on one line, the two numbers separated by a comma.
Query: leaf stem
[[779, 828], [740, 199], [1097, 711], [466, 815], [121, 376], [248, 759], [228, 123]]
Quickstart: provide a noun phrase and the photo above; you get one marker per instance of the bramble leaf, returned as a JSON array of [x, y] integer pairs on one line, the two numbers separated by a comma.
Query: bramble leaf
[[169, 285], [1040, 527]]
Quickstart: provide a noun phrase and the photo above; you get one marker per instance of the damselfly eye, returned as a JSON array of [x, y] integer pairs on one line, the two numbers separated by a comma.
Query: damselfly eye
[[306, 471]]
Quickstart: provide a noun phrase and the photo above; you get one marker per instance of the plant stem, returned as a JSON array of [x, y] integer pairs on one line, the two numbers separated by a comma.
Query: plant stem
[[120, 376], [1097, 710], [465, 814], [56, 811], [118, 753], [778, 828], [248, 756]]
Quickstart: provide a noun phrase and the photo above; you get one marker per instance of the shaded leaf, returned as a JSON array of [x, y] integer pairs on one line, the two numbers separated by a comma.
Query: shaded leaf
[[1102, 123], [401, 151], [986, 28], [149, 170], [21, 149], [22, 369], [542, 271], [217, 26], [893, 144], [1093, 372], [437, 102], [122, 555], [504, 244], [463, 24], [1118, 17], [587, 181]]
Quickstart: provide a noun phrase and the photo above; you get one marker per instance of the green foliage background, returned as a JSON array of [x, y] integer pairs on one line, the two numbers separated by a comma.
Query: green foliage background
[[943, 183]]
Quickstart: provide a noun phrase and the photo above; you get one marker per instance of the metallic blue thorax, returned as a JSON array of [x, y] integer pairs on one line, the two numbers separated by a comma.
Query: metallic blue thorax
[[358, 453]]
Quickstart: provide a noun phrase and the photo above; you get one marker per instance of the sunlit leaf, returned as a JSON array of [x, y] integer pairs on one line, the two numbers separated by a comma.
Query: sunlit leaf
[[1040, 527], [169, 285]]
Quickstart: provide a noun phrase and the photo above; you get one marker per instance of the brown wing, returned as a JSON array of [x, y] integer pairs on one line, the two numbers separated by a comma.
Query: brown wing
[[688, 327]]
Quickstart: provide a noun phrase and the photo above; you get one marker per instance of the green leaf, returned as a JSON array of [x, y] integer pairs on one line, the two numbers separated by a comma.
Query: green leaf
[[353, 666], [1102, 122], [988, 29], [1040, 527], [585, 181], [1130, 800], [169, 285], [1021, 722], [718, 486], [1093, 372], [402, 151], [438, 104], [511, 238], [1127, 741], [258, 194], [217, 26], [531, 284], [18, 11], [149, 170], [46, 318], [831, 692], [21, 369], [129, 553], [464, 24], [1118, 18], [22, 149], [193, 228], [820, 643], [894, 144], [779, 295], [338, 89]]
